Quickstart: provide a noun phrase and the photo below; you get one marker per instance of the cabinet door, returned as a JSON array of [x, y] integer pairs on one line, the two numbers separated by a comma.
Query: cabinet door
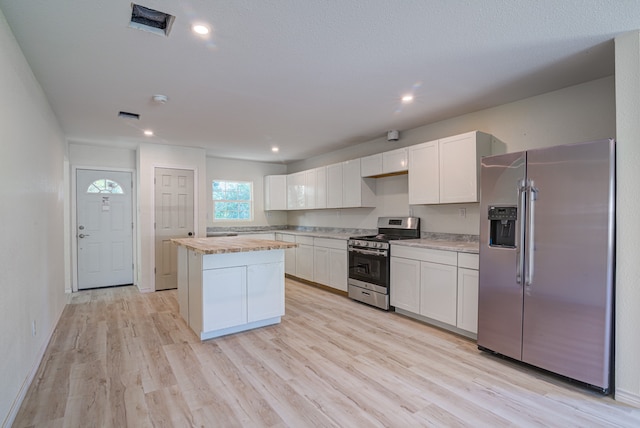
[[334, 186], [309, 189], [459, 169], [321, 187], [371, 165], [275, 192], [295, 191], [304, 262], [338, 271], [438, 291], [289, 253], [468, 300], [321, 265], [352, 183], [265, 291], [394, 161], [224, 298], [424, 176], [405, 284]]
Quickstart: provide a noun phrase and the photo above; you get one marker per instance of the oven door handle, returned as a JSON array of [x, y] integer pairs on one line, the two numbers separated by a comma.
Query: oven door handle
[[368, 252]]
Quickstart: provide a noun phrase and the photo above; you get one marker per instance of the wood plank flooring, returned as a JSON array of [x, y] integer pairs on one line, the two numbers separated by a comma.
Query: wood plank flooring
[[119, 358]]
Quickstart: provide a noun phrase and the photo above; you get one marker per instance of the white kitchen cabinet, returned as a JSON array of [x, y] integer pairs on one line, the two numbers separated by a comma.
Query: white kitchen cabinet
[[334, 186], [370, 166], [394, 161], [439, 292], [295, 191], [309, 189], [357, 191], [405, 284], [265, 296], [231, 292], [304, 257], [468, 292], [424, 175], [275, 192], [338, 268], [321, 187], [459, 161], [289, 253], [330, 262], [447, 171]]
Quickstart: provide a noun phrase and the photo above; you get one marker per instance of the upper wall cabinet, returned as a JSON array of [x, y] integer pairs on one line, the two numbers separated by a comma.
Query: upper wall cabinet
[[275, 192], [347, 189], [447, 171], [382, 164], [295, 191]]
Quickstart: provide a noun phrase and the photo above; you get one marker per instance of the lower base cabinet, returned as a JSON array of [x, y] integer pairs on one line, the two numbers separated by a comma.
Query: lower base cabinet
[[439, 286], [226, 293]]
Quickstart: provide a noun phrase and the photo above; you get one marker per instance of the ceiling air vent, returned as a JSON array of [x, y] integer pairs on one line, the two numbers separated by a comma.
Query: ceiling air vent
[[127, 115], [150, 20]]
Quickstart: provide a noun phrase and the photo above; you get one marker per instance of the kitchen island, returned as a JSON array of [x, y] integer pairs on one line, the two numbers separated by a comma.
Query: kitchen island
[[230, 284]]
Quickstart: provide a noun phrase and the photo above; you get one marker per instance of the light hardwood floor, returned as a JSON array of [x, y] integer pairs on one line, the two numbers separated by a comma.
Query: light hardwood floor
[[119, 358]]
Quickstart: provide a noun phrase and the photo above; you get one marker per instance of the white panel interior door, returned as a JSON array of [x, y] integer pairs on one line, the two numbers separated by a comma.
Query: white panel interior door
[[104, 229], [173, 219]]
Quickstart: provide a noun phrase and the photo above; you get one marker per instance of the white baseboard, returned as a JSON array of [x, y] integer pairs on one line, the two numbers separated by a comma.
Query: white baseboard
[[627, 397], [17, 402]]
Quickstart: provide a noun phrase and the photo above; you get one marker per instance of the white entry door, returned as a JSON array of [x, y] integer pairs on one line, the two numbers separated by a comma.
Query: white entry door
[[104, 228], [173, 219]]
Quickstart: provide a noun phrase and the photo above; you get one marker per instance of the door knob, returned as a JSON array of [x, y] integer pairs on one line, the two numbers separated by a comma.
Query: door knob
[[82, 235], [190, 233]]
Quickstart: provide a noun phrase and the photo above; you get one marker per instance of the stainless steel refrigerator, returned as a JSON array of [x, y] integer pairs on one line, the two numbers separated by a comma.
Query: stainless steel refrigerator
[[547, 259]]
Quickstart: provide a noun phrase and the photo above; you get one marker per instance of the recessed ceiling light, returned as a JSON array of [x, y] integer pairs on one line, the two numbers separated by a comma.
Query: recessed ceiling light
[[200, 29], [275, 149], [148, 132], [407, 98]]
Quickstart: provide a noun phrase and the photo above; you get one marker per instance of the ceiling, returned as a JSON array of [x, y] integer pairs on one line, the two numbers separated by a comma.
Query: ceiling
[[308, 76]]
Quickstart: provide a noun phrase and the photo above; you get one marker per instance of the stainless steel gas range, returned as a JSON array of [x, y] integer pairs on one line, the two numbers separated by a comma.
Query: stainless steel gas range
[[369, 259]]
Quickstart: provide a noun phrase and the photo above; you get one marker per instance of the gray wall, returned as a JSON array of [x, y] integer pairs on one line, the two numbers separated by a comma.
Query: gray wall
[[578, 113], [32, 270]]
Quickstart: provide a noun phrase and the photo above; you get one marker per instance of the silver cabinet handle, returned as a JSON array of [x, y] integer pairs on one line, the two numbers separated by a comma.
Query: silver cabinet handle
[[82, 235]]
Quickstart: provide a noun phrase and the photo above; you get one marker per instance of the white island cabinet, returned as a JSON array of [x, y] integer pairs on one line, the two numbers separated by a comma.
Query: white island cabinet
[[227, 285]]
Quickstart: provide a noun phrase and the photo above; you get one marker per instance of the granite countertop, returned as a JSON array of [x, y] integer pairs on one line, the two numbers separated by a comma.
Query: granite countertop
[[436, 244], [230, 244], [330, 235]]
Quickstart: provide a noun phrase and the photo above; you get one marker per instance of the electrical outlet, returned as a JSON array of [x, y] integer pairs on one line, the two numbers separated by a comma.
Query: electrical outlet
[[462, 212], [33, 328]]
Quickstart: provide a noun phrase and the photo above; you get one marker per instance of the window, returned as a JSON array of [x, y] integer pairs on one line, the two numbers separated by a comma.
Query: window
[[232, 200], [104, 185]]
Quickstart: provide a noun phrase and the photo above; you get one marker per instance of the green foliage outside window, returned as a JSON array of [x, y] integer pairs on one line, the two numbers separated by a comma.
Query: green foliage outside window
[[232, 200]]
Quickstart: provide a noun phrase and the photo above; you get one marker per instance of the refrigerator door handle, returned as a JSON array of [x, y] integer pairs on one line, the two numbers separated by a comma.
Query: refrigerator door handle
[[533, 195], [522, 194]]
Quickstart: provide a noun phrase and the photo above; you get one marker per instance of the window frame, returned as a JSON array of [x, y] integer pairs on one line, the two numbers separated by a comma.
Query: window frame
[[250, 201]]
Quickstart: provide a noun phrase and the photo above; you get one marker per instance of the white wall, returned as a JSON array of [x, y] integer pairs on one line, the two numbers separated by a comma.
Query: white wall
[[627, 224], [32, 265], [95, 156], [578, 113], [149, 157], [227, 169]]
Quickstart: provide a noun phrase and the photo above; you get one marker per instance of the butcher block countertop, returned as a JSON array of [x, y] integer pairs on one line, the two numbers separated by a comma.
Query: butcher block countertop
[[231, 244]]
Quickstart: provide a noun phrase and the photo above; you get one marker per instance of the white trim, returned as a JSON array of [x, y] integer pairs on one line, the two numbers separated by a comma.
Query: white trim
[[627, 397], [74, 241], [24, 388]]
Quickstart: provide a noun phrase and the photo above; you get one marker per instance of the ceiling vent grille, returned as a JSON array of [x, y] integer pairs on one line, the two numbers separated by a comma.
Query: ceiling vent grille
[[127, 115], [150, 20]]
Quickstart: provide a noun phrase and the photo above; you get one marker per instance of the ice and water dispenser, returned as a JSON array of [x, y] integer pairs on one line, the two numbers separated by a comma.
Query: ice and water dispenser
[[502, 224]]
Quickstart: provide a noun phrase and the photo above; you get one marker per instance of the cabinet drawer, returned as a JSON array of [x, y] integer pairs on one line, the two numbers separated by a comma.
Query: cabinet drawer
[[425, 254], [338, 244], [304, 240], [285, 237], [468, 261]]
